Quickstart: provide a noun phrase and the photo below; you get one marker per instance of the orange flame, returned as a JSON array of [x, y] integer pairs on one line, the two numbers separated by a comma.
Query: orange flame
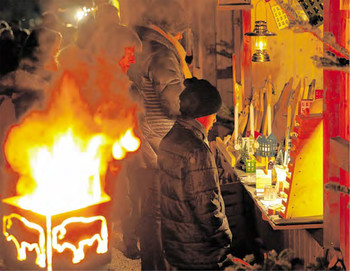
[[62, 153], [128, 143]]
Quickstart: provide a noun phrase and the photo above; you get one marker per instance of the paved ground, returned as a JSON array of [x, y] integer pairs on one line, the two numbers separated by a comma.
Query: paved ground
[[119, 261]]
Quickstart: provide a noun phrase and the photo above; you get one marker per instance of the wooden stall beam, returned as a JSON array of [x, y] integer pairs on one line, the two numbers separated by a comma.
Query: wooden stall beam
[[234, 7]]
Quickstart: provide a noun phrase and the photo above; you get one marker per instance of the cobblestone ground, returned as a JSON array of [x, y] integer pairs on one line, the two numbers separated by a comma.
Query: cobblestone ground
[[119, 261]]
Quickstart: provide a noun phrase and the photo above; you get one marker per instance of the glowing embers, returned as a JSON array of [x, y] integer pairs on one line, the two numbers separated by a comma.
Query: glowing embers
[[72, 240]]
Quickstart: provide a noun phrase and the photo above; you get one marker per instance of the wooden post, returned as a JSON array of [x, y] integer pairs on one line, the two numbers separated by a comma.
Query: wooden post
[[246, 65], [336, 124]]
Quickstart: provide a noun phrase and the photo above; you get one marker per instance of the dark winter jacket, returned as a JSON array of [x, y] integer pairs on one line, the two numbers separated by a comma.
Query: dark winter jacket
[[195, 230], [158, 76]]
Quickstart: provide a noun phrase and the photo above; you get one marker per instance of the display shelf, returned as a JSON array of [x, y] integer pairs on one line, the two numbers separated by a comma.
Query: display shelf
[[234, 4], [234, 7], [305, 192], [275, 221]]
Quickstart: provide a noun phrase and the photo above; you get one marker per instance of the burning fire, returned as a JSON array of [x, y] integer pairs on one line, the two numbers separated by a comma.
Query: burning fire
[[128, 143], [66, 175], [61, 156]]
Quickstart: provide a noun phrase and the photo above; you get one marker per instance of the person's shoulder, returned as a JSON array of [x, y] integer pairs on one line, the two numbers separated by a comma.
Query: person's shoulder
[[181, 140], [161, 51], [164, 58], [154, 43]]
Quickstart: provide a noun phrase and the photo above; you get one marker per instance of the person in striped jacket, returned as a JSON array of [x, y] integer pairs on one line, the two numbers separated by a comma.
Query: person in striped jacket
[[157, 77]]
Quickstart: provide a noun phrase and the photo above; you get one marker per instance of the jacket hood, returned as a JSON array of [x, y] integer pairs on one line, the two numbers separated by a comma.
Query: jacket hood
[[152, 43], [149, 35]]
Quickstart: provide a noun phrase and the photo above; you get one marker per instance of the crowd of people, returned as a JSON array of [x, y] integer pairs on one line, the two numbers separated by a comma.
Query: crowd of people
[[172, 205], [27, 64]]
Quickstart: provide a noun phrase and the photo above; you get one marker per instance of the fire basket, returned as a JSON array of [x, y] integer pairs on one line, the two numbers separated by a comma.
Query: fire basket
[[59, 216], [76, 239]]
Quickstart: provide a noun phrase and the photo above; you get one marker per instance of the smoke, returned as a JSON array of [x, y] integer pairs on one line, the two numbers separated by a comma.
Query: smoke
[[130, 15], [89, 52], [70, 81], [91, 55]]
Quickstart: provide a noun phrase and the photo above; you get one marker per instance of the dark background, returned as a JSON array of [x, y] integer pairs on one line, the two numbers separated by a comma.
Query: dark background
[[23, 10], [28, 11]]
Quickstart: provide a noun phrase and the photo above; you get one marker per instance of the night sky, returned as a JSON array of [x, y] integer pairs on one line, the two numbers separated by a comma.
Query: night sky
[[25, 10], [19, 10]]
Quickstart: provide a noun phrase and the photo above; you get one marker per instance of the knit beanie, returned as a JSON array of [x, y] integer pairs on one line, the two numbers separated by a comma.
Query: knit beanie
[[199, 99]]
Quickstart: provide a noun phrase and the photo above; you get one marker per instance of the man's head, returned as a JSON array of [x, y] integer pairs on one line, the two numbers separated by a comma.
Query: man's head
[[4, 24], [43, 45], [50, 20], [119, 43], [200, 100], [168, 15]]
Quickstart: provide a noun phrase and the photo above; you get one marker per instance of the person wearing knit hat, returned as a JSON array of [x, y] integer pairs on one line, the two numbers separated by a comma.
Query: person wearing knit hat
[[195, 229], [157, 77], [199, 99]]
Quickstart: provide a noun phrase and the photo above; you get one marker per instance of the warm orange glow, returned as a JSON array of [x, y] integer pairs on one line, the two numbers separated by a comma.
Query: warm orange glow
[[128, 143], [83, 12], [52, 238], [59, 232], [127, 59], [62, 153], [21, 247], [66, 175], [48, 243], [260, 43], [118, 151]]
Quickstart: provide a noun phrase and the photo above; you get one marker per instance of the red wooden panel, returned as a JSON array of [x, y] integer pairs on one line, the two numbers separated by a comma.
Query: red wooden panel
[[344, 216], [246, 53], [344, 106], [336, 123]]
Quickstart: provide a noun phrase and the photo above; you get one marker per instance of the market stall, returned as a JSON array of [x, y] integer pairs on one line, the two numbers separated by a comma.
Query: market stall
[[279, 145]]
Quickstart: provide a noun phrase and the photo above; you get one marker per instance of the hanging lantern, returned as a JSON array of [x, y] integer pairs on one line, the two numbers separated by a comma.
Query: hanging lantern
[[260, 33]]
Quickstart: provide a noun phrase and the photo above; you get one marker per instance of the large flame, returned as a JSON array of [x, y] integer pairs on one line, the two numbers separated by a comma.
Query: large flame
[[61, 154], [67, 176]]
